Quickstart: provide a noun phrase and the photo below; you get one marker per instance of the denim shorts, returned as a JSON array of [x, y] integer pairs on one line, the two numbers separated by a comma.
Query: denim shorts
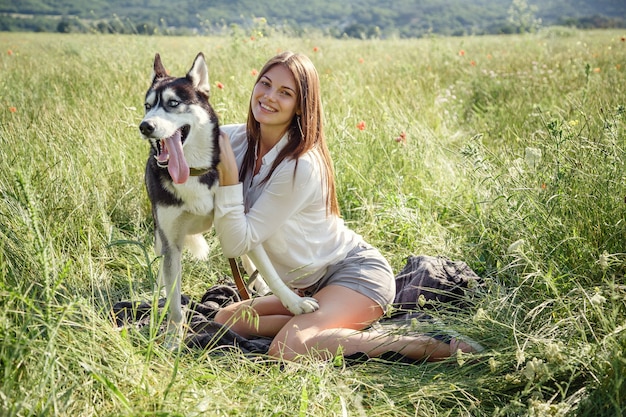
[[365, 271]]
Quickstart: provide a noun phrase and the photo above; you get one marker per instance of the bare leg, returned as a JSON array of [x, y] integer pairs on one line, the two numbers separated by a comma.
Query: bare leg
[[373, 343], [261, 316], [341, 310], [337, 327]]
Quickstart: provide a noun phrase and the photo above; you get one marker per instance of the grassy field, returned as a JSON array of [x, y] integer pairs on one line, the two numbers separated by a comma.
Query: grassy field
[[505, 152]]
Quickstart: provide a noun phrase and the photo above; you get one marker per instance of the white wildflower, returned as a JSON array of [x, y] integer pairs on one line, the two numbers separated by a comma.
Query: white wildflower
[[554, 352], [493, 364], [603, 261], [512, 379], [461, 358], [421, 300], [516, 168], [539, 408], [516, 246], [532, 157], [534, 369], [598, 299], [479, 316]]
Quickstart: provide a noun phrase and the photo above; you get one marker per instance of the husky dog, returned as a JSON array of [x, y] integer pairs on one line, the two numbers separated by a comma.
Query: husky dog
[[181, 177]]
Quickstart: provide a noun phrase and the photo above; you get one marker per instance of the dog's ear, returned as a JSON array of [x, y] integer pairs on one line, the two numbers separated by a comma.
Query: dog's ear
[[199, 75], [158, 70]]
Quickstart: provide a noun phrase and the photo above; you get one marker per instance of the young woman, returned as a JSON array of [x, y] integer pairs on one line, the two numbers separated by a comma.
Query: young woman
[[277, 190]]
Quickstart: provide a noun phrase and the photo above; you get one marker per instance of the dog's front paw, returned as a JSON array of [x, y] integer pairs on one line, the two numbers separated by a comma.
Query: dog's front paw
[[171, 342], [173, 336], [309, 304], [302, 305]]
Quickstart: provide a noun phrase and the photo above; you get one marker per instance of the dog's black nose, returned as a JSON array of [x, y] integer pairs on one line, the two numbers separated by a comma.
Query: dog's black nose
[[146, 128]]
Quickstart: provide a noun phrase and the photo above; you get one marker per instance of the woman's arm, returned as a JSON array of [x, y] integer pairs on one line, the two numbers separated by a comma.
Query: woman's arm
[[227, 168], [281, 199]]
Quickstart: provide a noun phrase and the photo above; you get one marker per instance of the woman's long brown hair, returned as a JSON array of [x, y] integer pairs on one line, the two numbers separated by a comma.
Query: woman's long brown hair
[[306, 129]]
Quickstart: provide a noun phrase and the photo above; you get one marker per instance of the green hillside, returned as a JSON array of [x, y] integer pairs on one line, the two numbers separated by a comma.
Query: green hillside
[[352, 18]]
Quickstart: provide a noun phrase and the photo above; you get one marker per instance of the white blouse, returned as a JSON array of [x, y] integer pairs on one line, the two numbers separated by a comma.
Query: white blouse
[[287, 215]]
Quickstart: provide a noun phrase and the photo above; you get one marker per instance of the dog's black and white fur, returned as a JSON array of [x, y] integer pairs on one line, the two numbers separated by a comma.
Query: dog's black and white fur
[[181, 177]]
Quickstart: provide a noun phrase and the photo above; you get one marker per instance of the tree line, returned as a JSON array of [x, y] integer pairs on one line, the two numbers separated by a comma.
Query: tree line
[[353, 19]]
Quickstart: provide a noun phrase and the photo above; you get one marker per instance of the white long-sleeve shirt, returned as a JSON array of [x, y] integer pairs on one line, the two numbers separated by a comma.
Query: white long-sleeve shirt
[[287, 215]]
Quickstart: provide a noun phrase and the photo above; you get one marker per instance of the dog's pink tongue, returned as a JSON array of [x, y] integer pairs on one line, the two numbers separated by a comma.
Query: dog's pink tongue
[[177, 165]]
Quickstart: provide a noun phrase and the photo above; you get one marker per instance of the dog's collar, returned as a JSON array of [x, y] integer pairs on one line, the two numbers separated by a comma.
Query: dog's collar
[[198, 172]]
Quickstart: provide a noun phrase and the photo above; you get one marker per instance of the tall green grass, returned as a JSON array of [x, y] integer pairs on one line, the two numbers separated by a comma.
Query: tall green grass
[[513, 161]]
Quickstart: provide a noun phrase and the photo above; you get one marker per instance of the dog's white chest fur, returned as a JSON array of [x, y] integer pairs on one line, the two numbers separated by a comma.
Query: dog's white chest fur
[[197, 198]]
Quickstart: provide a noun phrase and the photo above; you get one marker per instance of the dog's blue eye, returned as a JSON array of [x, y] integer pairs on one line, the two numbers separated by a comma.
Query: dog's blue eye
[[147, 106], [173, 103]]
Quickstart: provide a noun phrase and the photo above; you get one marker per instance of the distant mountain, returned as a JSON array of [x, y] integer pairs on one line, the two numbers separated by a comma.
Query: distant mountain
[[352, 18]]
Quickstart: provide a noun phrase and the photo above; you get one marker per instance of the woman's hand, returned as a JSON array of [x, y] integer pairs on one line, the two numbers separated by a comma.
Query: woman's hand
[[227, 168]]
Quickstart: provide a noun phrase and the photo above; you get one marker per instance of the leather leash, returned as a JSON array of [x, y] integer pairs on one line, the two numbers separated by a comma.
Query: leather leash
[[241, 286]]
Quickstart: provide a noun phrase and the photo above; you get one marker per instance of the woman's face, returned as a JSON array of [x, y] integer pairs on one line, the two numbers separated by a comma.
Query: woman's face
[[274, 99]]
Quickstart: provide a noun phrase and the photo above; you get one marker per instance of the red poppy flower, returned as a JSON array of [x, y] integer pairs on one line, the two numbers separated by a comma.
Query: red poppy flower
[[461, 52], [219, 85], [10, 52], [254, 72], [401, 138], [12, 109], [316, 48], [360, 125]]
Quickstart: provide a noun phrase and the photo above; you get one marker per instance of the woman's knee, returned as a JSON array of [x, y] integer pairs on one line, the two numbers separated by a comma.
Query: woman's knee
[[225, 313], [237, 318], [294, 343], [231, 314], [288, 343], [223, 316]]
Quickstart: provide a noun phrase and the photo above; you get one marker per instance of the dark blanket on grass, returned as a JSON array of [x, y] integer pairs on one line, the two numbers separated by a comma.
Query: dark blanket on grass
[[423, 284]]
